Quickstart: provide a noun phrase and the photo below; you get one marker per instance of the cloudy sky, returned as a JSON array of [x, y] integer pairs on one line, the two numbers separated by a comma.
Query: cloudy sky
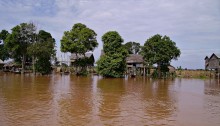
[[193, 24]]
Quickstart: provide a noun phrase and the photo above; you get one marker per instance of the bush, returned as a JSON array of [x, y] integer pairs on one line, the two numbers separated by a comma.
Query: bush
[[43, 65], [155, 74]]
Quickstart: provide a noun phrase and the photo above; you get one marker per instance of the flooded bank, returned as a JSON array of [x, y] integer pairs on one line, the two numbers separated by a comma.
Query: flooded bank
[[70, 100]]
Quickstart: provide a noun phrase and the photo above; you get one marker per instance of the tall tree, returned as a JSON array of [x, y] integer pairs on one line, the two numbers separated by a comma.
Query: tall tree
[[113, 62], [42, 51], [19, 40], [4, 55], [160, 50], [79, 40], [133, 47]]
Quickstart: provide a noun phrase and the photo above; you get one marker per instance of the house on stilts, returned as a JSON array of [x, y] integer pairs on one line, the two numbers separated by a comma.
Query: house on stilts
[[213, 63], [135, 65]]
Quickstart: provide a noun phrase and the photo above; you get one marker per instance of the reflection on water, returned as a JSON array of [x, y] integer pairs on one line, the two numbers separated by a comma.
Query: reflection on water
[[212, 105], [111, 93], [70, 100], [212, 87]]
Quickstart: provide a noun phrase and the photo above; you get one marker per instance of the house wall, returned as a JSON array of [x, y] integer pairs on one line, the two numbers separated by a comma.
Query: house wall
[[206, 63], [213, 63]]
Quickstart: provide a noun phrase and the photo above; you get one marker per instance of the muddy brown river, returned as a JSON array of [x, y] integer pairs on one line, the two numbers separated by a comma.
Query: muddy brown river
[[56, 100]]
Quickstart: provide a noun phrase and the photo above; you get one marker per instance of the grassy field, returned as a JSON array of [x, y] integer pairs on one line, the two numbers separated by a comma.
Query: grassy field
[[195, 74]]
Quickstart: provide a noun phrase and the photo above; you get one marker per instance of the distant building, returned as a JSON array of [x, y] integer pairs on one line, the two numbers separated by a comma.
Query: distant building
[[172, 69], [134, 60], [11, 66], [135, 64], [212, 62], [62, 60], [88, 55]]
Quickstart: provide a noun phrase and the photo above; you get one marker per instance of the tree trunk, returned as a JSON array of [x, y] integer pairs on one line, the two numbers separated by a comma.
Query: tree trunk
[[76, 64], [23, 63], [159, 70], [84, 68], [33, 61]]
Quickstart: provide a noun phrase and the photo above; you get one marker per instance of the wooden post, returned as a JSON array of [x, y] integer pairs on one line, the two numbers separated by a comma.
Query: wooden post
[[218, 76], [218, 70]]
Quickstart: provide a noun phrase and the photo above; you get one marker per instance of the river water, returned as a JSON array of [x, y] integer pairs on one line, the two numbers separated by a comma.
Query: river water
[[56, 100]]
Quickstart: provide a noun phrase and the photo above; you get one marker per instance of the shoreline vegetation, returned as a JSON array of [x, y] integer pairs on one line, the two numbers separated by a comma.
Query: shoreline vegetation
[[200, 74], [34, 50], [194, 74], [190, 73]]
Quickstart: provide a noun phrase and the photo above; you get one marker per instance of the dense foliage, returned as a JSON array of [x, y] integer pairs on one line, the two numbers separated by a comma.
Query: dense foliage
[[42, 51], [19, 40], [113, 62], [43, 65], [86, 61], [79, 40], [25, 45], [160, 50], [132, 47], [4, 54]]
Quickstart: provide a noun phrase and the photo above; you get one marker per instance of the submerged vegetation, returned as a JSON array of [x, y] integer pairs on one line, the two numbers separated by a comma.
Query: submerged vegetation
[[112, 63]]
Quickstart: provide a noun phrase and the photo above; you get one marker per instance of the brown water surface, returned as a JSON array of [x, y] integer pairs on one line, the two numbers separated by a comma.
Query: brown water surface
[[56, 100]]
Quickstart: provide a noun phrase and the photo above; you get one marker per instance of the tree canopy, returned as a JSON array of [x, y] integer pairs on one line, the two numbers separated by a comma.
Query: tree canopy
[[112, 42], [160, 50], [42, 51], [113, 62], [3, 35], [79, 40], [4, 54], [44, 45], [19, 40], [24, 45], [132, 47]]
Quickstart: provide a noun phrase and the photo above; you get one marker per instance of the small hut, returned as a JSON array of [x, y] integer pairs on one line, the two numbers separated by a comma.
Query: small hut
[[11, 67], [172, 70], [213, 63], [88, 55], [84, 60], [135, 65]]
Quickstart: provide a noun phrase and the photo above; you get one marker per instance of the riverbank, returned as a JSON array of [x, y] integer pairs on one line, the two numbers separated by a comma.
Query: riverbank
[[202, 74]]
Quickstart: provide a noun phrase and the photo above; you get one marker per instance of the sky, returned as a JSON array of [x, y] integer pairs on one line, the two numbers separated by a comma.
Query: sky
[[194, 25]]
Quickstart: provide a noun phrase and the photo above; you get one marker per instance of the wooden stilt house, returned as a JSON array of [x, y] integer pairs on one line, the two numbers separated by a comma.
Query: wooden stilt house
[[213, 63], [135, 65]]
